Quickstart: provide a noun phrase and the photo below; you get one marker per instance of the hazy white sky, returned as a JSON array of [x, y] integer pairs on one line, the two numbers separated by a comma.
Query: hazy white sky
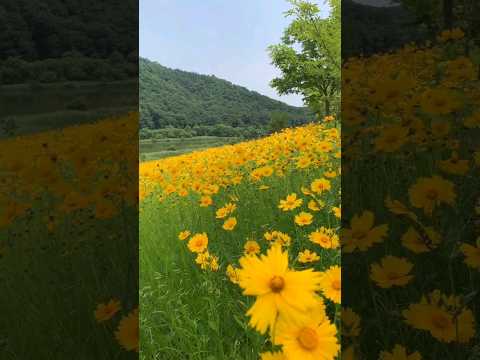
[[225, 38]]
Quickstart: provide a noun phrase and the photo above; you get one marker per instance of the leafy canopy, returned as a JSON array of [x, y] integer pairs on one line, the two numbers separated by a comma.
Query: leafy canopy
[[309, 55]]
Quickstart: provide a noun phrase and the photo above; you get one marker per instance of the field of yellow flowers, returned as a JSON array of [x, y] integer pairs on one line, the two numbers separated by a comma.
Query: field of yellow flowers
[[68, 263], [411, 237], [239, 250]]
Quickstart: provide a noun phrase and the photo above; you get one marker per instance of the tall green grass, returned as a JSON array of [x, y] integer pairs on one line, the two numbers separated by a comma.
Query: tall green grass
[[187, 313]]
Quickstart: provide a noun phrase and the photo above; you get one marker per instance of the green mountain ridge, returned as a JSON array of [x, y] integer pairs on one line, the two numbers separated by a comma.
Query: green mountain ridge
[[182, 99]]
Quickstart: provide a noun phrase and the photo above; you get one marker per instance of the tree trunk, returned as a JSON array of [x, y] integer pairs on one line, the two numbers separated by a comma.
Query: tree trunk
[[327, 107]]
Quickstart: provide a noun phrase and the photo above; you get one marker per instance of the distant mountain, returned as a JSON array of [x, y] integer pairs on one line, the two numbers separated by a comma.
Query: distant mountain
[[179, 99]]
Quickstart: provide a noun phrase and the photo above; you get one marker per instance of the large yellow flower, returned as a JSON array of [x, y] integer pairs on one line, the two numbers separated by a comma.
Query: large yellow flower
[[310, 337], [428, 193], [279, 290]]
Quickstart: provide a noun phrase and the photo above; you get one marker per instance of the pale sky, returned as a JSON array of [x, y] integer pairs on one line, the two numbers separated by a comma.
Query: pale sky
[[226, 38]]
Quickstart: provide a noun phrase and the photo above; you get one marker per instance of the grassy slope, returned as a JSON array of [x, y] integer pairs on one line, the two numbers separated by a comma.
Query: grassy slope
[[194, 315]]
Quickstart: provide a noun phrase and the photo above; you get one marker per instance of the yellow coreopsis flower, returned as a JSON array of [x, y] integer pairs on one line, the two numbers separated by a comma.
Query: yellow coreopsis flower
[[362, 234], [320, 185], [206, 201], [198, 243], [203, 259], [309, 337], [230, 224], [330, 174], [303, 219], [417, 243], [290, 203], [232, 274], [221, 213], [443, 317], [315, 205], [303, 162], [331, 284], [324, 237], [392, 271], [251, 247], [307, 256], [428, 193], [230, 207], [279, 290]]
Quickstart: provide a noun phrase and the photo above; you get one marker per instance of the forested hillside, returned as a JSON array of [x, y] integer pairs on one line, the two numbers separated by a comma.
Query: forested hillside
[[183, 99], [64, 40]]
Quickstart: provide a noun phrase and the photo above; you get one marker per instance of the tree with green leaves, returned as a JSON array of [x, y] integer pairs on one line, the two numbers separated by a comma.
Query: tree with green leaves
[[309, 55]]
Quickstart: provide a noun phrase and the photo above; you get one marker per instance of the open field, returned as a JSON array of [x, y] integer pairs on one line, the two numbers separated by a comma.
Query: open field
[[153, 149], [204, 219]]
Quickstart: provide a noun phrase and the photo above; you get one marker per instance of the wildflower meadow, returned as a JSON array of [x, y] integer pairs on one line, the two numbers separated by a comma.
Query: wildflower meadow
[[68, 199], [239, 250], [410, 166]]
